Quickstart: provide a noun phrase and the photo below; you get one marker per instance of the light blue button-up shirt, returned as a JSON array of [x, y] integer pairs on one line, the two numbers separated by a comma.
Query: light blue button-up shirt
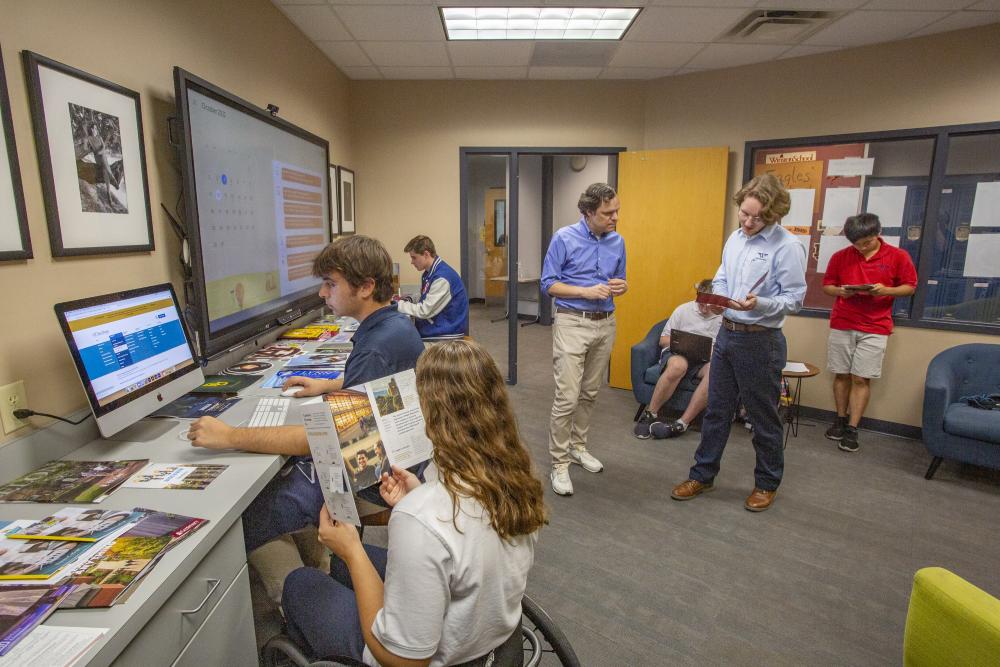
[[578, 258], [774, 252]]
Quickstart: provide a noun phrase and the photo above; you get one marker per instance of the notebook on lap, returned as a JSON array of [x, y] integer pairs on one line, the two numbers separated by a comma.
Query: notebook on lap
[[693, 347]]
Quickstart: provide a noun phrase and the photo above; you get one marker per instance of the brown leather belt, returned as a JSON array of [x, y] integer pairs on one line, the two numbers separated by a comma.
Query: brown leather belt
[[748, 328], [586, 314]]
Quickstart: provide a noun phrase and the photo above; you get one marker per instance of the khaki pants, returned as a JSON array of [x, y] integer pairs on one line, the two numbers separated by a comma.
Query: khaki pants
[[581, 350]]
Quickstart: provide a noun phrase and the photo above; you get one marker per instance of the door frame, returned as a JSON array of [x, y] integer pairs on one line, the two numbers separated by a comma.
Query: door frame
[[512, 153]]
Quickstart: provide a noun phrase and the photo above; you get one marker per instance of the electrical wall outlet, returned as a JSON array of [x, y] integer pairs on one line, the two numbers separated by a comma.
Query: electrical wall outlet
[[12, 397]]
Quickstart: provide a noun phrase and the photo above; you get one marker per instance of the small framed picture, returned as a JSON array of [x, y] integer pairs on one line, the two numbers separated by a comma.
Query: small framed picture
[[92, 159], [334, 202], [348, 202], [14, 240]]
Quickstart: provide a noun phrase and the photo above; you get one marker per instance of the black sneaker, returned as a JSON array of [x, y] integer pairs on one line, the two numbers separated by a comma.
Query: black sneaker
[[836, 432], [661, 430], [849, 443], [641, 429]]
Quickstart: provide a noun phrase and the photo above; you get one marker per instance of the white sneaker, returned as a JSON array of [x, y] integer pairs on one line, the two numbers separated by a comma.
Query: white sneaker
[[584, 458], [561, 483]]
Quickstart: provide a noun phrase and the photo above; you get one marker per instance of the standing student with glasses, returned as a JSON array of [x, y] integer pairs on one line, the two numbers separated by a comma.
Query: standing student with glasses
[[584, 269], [763, 273]]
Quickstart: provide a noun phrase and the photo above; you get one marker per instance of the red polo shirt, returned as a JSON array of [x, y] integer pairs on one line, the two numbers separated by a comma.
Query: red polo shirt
[[863, 312]]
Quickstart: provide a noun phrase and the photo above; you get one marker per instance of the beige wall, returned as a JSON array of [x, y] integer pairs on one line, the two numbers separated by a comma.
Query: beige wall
[[407, 136], [245, 46], [944, 79]]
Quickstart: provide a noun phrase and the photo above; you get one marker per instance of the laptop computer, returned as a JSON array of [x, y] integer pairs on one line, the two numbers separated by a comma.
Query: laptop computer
[[693, 347]]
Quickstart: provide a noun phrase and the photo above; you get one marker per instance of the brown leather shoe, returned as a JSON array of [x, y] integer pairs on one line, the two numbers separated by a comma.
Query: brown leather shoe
[[689, 489], [759, 500]]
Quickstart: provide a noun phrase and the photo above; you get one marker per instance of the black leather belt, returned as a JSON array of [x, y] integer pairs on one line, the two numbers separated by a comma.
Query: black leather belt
[[586, 314], [747, 328]]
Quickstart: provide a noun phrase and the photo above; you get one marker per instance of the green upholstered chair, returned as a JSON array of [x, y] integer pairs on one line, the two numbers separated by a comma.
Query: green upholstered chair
[[950, 622]]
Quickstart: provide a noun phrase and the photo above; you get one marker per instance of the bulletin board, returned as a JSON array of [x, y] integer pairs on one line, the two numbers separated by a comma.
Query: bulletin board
[[826, 185]]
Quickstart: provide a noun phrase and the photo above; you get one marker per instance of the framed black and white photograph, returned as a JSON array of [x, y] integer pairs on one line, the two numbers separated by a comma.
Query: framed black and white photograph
[[334, 202], [14, 240], [92, 159], [348, 203]]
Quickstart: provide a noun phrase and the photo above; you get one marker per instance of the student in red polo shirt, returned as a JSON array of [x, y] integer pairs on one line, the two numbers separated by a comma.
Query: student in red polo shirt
[[865, 278]]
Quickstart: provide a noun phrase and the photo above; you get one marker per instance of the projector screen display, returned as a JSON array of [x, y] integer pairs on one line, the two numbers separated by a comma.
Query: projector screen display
[[260, 193]]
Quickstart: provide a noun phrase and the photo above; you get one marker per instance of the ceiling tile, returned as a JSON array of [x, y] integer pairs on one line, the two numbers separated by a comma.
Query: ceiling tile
[[802, 50], [369, 23], [682, 24], [486, 54], [381, 2], [316, 21], [654, 54], [583, 3], [986, 5], [820, 5], [637, 72], [417, 72], [344, 54], [407, 54], [705, 3], [491, 72], [298, 2], [734, 55], [958, 21], [563, 72], [864, 27], [915, 5], [361, 72]]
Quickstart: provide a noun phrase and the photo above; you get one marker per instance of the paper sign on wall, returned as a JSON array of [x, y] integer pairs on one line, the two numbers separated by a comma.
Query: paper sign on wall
[[839, 204], [851, 166], [981, 256], [986, 208], [799, 218], [888, 203], [827, 246]]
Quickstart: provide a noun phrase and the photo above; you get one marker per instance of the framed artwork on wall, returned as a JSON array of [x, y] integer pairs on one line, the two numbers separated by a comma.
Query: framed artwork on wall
[[14, 240], [348, 202], [92, 159], [334, 202]]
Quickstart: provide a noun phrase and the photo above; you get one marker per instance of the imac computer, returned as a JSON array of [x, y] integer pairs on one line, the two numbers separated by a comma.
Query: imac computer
[[132, 351]]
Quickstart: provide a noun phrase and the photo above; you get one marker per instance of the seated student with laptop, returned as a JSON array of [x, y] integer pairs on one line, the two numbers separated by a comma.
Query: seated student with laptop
[[683, 355]]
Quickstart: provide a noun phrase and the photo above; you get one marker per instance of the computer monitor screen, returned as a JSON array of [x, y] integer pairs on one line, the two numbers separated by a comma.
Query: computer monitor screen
[[257, 210], [132, 352]]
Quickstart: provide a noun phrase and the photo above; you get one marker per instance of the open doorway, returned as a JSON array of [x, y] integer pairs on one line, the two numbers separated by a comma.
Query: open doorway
[[507, 225]]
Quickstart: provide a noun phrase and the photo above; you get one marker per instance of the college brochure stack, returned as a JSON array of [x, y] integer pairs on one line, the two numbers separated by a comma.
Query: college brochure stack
[[70, 482], [24, 607], [356, 434]]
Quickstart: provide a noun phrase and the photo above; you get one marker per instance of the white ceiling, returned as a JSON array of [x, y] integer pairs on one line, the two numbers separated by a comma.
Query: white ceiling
[[404, 39]]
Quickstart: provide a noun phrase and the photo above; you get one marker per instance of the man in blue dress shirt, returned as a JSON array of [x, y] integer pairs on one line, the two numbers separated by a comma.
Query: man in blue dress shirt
[[763, 273], [584, 269]]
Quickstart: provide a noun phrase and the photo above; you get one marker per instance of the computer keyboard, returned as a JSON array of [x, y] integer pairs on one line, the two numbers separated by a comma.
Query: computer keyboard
[[270, 412]]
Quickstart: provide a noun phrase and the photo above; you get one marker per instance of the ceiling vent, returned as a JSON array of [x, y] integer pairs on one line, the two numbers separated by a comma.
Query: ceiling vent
[[778, 26]]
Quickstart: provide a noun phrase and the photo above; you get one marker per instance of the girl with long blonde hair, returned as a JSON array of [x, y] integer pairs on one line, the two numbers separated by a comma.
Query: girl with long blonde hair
[[460, 546]]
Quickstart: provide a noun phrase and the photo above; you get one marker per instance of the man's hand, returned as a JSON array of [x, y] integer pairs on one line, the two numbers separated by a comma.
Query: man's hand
[[618, 286], [845, 293], [397, 485], [598, 292], [310, 386], [339, 537], [210, 433], [747, 304], [878, 289]]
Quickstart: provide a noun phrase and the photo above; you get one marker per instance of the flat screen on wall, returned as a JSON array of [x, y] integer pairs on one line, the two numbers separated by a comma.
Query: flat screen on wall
[[257, 209]]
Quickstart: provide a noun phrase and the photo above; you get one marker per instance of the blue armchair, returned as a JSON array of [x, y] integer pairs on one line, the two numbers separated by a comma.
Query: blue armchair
[[953, 429], [645, 371]]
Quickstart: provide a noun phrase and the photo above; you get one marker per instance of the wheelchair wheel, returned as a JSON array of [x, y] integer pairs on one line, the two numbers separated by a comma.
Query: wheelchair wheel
[[552, 640]]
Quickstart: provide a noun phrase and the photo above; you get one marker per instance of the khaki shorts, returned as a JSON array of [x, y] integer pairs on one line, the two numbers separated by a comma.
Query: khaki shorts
[[856, 352]]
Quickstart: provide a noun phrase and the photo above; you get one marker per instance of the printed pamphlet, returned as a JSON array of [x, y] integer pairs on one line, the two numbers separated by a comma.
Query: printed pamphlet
[[22, 607], [192, 476], [77, 524], [70, 481]]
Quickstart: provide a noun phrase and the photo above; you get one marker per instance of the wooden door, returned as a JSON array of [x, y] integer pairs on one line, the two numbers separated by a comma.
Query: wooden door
[[495, 266], [673, 205]]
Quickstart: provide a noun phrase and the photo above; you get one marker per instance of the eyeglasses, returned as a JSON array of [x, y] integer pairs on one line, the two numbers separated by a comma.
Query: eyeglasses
[[746, 216]]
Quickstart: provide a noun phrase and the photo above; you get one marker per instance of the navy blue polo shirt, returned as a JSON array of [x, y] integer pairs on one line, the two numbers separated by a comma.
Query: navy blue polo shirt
[[386, 342]]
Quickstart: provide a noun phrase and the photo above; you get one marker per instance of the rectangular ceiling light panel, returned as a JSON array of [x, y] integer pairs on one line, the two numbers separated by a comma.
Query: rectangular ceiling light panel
[[495, 23]]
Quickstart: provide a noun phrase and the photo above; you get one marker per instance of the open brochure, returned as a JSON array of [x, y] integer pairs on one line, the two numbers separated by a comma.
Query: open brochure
[[70, 481], [373, 426], [77, 524], [24, 607]]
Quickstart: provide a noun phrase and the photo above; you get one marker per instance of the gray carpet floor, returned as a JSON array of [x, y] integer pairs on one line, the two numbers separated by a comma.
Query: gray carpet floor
[[823, 578]]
